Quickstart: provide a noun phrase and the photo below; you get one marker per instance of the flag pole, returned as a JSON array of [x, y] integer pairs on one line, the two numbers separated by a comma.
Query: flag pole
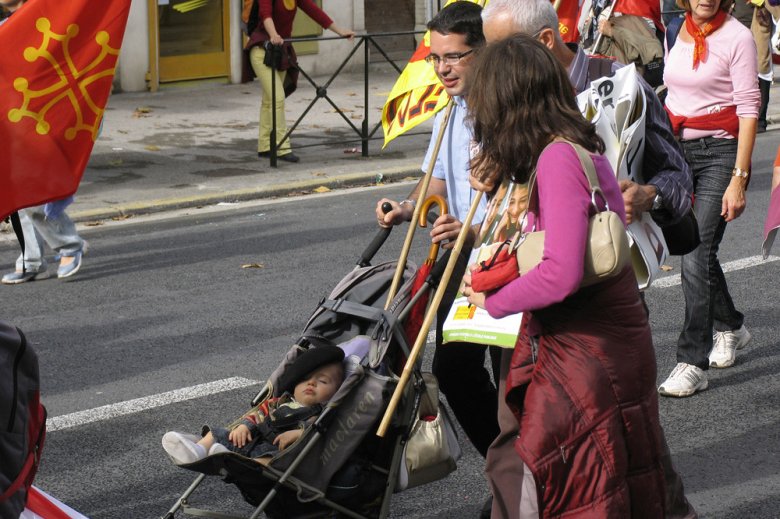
[[597, 44], [401, 267], [422, 336]]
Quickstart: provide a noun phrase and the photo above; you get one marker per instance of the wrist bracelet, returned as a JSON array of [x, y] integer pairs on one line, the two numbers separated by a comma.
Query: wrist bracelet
[[409, 201], [742, 173]]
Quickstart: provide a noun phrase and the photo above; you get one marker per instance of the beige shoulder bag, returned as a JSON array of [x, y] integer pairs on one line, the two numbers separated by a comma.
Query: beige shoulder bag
[[606, 251]]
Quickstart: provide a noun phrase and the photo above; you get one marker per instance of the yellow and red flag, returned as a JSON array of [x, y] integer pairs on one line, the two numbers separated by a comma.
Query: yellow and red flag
[[417, 94], [56, 70]]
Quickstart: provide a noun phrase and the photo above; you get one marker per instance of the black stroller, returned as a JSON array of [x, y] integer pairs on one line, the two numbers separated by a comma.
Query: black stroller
[[340, 467]]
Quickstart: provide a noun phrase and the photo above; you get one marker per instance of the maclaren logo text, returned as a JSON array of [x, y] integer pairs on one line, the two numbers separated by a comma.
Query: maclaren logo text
[[70, 85], [343, 428]]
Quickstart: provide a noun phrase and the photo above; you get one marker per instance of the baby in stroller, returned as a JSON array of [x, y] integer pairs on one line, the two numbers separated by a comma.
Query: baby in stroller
[[309, 382]]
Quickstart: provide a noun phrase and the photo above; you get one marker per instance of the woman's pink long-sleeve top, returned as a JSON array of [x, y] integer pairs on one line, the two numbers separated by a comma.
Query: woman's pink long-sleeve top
[[728, 76], [564, 210]]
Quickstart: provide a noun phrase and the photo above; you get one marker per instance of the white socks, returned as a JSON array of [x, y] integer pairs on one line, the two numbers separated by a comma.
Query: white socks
[[182, 449]]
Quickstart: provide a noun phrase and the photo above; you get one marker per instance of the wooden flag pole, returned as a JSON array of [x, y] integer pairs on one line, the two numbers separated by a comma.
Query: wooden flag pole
[[401, 267], [422, 336]]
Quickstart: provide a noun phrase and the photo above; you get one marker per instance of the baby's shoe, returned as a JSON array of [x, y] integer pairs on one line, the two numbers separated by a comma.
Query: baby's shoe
[[181, 449], [218, 448]]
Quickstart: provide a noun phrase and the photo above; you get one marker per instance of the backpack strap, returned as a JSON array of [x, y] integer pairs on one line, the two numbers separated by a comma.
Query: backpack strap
[[598, 68], [672, 30]]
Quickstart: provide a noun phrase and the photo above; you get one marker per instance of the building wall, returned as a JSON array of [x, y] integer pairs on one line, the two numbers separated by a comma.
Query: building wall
[[134, 57]]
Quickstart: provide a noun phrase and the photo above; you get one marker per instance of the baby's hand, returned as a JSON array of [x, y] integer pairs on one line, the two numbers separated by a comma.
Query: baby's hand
[[287, 438], [240, 436]]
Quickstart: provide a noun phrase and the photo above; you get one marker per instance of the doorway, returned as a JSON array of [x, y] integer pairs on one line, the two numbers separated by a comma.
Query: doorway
[[189, 39]]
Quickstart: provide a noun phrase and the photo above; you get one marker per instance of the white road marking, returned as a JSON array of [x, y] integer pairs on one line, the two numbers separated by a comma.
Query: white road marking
[[107, 412], [752, 261]]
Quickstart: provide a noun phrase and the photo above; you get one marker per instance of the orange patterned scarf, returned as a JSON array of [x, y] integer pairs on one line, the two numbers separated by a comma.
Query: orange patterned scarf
[[700, 33]]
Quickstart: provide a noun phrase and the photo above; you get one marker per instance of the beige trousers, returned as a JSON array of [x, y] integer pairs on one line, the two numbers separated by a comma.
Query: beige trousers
[[265, 75]]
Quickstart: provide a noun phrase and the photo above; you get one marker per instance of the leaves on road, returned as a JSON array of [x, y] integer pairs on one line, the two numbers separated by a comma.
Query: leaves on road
[[142, 111]]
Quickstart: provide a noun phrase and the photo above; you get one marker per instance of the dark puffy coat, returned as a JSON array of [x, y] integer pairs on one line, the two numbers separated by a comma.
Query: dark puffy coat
[[588, 406]]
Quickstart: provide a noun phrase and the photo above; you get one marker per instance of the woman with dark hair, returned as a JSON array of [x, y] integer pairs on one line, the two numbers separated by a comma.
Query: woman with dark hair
[[582, 377], [713, 101]]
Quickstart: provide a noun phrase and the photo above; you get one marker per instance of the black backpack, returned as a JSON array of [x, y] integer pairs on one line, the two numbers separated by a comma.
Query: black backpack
[[22, 418]]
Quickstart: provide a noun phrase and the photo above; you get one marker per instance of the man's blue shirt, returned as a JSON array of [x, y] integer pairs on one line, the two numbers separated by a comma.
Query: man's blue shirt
[[452, 164]]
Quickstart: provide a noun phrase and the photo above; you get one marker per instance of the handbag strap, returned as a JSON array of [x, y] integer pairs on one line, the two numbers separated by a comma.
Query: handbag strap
[[590, 173]]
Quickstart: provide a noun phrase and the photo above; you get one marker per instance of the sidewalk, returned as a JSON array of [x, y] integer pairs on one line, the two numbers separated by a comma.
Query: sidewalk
[[197, 145]]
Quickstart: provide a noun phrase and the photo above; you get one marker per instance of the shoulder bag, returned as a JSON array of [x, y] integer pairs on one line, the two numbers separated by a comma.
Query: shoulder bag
[[607, 251]]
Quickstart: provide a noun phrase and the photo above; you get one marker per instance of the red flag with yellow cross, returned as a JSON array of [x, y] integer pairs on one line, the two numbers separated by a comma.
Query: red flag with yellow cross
[[56, 71]]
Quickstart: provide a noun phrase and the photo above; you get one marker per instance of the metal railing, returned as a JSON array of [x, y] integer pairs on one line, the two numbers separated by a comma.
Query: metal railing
[[365, 133]]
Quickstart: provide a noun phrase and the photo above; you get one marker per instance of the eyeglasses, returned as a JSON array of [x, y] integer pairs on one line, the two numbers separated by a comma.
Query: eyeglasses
[[539, 32], [449, 59]]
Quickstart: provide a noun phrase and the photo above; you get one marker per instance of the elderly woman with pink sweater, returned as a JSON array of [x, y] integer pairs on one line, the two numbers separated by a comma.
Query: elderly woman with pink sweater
[[713, 104]]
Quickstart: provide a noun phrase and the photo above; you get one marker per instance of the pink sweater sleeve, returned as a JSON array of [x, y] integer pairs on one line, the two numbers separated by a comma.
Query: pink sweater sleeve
[[744, 75], [564, 201]]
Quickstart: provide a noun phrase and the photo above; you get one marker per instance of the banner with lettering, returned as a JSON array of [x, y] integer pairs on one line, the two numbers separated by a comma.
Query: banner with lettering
[[616, 105], [56, 71]]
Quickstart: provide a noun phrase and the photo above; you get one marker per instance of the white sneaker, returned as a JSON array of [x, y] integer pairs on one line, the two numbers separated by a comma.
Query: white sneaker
[[181, 449], [684, 380], [218, 448], [725, 346]]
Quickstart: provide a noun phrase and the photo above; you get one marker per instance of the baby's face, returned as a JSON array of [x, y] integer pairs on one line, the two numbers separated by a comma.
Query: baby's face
[[319, 385]]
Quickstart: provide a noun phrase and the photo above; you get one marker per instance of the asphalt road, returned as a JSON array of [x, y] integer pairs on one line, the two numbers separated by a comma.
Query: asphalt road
[[163, 303]]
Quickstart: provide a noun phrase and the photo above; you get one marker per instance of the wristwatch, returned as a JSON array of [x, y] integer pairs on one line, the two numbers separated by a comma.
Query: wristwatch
[[409, 201], [742, 173], [657, 201]]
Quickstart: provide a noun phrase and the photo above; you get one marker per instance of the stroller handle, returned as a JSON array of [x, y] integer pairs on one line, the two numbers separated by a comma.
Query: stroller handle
[[377, 242]]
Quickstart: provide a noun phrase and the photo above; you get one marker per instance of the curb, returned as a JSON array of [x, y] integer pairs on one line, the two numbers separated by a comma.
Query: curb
[[241, 195]]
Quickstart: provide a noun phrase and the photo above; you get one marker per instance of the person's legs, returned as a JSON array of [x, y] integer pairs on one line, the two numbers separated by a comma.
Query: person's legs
[[184, 449], [702, 278], [460, 370], [33, 260], [266, 75], [763, 87], [58, 231], [503, 466]]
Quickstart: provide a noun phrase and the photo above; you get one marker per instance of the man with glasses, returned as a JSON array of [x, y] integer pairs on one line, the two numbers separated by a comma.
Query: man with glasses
[[455, 34], [667, 196]]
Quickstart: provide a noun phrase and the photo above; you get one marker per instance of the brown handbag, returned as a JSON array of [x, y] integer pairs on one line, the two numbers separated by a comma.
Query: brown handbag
[[606, 252]]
